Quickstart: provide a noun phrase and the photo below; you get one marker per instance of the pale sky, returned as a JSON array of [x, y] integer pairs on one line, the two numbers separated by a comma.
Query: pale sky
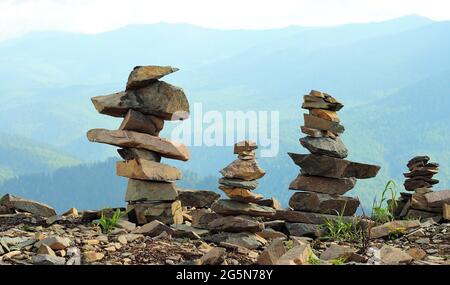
[[93, 16]]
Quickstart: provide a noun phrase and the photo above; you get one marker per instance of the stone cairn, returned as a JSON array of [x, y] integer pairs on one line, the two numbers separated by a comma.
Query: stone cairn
[[423, 202], [325, 174], [145, 104], [243, 212]]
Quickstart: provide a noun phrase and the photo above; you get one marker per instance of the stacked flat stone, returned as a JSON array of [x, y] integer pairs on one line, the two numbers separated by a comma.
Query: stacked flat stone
[[145, 104], [238, 183], [422, 202], [325, 174]]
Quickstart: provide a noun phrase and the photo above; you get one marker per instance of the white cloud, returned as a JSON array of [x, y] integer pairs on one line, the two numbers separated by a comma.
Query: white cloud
[[92, 16]]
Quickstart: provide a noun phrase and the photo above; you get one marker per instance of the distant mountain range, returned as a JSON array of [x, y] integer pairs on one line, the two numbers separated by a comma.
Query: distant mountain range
[[393, 77]]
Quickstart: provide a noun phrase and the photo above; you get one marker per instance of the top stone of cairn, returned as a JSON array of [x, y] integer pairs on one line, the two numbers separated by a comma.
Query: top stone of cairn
[[144, 75], [321, 100], [244, 146]]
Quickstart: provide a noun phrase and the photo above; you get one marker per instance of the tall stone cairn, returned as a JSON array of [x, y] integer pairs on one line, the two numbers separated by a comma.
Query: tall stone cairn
[[243, 208], [423, 202], [325, 174], [144, 105]]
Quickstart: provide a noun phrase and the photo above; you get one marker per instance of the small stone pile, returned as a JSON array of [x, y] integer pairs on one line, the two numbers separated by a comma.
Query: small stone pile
[[423, 202], [325, 175], [241, 211], [145, 104]]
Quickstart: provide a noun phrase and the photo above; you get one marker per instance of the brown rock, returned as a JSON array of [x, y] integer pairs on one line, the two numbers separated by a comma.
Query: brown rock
[[419, 202], [272, 253], [418, 161], [240, 194], [45, 249], [270, 234], [202, 217], [230, 207], [35, 208], [325, 114], [153, 229], [134, 153], [446, 212], [243, 169], [167, 213], [139, 190], [132, 139], [147, 170], [324, 203], [416, 253], [326, 166], [235, 224], [244, 146], [327, 103], [313, 122], [92, 256], [419, 182], [138, 122], [197, 198], [213, 257], [247, 155], [393, 227], [54, 242], [421, 171], [272, 202], [72, 212], [145, 75], [299, 255], [336, 186], [336, 251], [159, 99], [438, 198], [392, 256]]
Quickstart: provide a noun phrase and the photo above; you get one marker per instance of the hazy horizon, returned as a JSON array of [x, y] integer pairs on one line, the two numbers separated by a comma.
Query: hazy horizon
[[19, 17]]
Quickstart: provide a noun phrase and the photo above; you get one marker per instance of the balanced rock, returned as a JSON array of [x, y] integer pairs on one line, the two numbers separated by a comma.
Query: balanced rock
[[138, 122], [418, 161], [313, 122], [239, 183], [147, 170], [230, 207], [325, 146], [145, 75], [243, 169], [324, 203], [139, 190], [325, 114], [241, 194], [197, 198], [270, 202], [326, 166], [135, 153], [132, 139], [35, 208], [244, 146], [235, 224], [336, 186], [159, 99], [325, 103]]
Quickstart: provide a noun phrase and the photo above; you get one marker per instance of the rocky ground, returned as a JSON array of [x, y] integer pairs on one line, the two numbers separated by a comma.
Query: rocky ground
[[69, 240]]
